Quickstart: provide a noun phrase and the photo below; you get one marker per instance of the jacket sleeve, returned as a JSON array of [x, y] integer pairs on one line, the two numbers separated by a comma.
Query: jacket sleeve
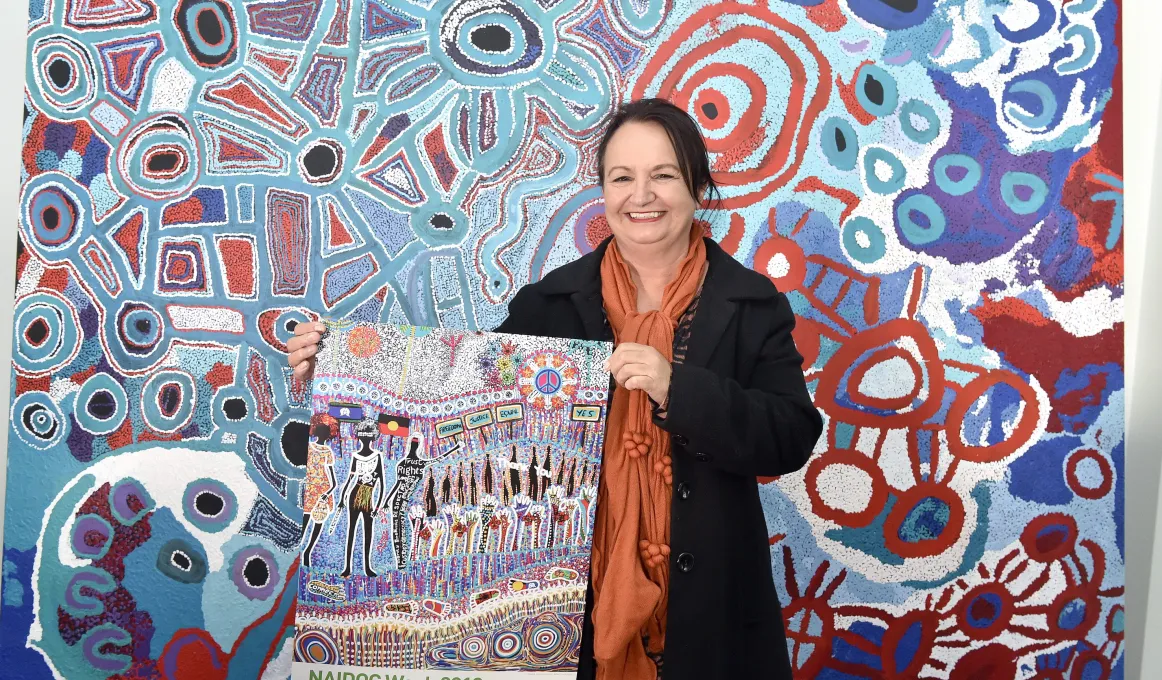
[[765, 425]]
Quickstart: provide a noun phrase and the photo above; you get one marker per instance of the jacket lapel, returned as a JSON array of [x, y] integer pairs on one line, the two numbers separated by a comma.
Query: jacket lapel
[[715, 309], [726, 282], [592, 313]]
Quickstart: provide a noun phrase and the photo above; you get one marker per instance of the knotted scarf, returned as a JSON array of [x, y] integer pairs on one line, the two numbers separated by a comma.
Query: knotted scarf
[[630, 568]]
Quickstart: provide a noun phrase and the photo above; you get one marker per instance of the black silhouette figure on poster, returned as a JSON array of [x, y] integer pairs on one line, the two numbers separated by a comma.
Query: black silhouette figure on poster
[[409, 472], [359, 494]]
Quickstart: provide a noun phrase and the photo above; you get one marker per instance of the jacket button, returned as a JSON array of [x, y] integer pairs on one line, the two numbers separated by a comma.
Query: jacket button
[[684, 491], [685, 563], [680, 440], [701, 457]]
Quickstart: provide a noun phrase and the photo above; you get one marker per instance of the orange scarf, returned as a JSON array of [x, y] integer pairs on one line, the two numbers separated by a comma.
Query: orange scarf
[[631, 536]]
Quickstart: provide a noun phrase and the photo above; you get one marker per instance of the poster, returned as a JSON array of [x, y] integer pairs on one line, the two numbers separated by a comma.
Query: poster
[[449, 500]]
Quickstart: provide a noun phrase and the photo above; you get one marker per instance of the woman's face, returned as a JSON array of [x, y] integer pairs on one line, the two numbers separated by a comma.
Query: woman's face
[[646, 199]]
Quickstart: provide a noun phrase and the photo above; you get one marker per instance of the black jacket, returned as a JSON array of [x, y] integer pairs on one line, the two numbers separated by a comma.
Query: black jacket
[[739, 408]]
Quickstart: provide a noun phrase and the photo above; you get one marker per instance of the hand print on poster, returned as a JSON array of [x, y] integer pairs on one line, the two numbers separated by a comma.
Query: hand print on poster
[[936, 185]]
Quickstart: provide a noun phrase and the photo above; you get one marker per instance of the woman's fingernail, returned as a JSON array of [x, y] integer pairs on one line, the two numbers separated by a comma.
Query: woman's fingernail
[[320, 327]]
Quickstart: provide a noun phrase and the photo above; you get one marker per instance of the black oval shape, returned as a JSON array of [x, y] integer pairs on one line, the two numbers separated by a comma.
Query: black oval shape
[[180, 560], [37, 332], [840, 140], [51, 218], [162, 162], [441, 221], [320, 161], [102, 405], [874, 90], [492, 38], [60, 72], [710, 110], [143, 326], [294, 442], [210, 27], [169, 399], [235, 408], [256, 572], [209, 504]]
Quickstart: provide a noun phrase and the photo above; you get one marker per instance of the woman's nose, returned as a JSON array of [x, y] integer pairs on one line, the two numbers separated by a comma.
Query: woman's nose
[[642, 193]]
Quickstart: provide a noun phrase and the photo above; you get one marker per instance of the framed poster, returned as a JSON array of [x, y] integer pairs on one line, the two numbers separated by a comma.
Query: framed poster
[[449, 497]]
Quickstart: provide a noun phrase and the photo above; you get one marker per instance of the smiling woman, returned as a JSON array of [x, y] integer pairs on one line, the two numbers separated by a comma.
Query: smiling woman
[[709, 394]]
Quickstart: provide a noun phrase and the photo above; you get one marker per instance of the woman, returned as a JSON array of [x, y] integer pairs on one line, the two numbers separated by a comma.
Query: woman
[[318, 502], [358, 495], [709, 394]]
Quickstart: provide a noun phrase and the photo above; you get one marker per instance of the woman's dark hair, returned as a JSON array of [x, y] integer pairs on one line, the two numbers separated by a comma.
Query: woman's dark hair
[[686, 138]]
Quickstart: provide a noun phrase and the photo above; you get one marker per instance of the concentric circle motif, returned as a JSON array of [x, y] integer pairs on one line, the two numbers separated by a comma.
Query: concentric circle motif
[[321, 161], [52, 218], [208, 29], [160, 157], [46, 333], [863, 240], [101, 405], [832, 477], [546, 640], [129, 501], [1049, 537], [363, 342], [840, 143], [277, 326], [985, 611], [315, 646], [757, 125], [548, 380], [64, 73], [489, 38], [1089, 474], [783, 261], [997, 402], [139, 328], [893, 344], [209, 505], [507, 645], [254, 572], [92, 536], [181, 561], [926, 520], [473, 647], [168, 399], [38, 421]]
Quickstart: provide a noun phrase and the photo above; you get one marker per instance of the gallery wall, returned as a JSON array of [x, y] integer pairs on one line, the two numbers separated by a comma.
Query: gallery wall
[[810, 219]]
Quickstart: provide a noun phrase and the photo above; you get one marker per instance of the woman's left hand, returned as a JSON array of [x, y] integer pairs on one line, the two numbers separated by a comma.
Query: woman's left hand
[[641, 367]]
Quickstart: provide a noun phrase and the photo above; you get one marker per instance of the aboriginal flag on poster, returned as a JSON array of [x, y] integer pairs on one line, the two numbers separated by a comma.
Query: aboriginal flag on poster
[[393, 426]]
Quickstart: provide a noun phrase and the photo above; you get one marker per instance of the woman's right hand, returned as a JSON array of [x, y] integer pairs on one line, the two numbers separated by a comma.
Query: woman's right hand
[[302, 348]]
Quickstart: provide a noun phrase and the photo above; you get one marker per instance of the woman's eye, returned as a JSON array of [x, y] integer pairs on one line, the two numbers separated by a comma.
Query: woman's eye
[[664, 176]]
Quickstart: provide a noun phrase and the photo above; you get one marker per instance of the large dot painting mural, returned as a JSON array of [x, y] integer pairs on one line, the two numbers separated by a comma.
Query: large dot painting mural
[[935, 185]]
